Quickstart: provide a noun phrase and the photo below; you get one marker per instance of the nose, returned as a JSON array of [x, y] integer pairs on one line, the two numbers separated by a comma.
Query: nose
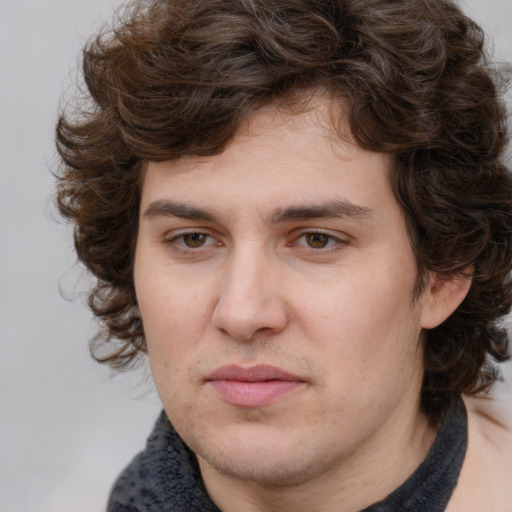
[[250, 304]]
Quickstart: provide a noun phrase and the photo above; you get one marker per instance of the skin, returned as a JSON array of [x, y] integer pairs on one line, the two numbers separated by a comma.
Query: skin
[[234, 266], [484, 482]]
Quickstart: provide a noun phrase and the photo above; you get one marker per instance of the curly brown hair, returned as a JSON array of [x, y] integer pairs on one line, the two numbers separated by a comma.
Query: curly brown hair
[[177, 77]]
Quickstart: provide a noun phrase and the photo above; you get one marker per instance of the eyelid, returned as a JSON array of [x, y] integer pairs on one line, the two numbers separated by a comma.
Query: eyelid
[[172, 238], [337, 235], [178, 232], [340, 240]]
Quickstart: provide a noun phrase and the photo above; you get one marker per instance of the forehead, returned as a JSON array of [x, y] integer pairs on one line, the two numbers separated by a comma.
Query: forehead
[[277, 158]]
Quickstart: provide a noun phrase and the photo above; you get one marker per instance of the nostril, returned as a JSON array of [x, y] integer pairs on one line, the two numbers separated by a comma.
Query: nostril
[[251, 323]]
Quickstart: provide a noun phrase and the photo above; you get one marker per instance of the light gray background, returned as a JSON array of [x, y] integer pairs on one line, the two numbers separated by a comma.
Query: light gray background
[[66, 426]]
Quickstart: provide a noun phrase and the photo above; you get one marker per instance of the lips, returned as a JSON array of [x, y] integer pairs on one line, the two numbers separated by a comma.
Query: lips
[[257, 386]]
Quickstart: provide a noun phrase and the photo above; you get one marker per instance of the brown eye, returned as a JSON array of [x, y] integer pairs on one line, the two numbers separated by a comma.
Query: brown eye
[[317, 240], [194, 240]]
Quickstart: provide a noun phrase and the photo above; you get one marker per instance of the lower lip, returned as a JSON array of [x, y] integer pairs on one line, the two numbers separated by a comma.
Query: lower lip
[[254, 394]]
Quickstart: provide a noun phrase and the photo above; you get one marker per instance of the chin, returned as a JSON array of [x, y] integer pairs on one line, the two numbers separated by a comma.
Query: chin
[[269, 470], [263, 458]]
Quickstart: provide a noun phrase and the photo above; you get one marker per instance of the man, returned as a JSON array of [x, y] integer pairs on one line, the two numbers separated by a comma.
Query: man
[[299, 210]]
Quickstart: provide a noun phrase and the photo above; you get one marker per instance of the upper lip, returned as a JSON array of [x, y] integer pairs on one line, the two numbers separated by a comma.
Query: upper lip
[[258, 373]]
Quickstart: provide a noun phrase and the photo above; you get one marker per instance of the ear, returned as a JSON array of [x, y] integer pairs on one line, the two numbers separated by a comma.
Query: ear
[[442, 296]]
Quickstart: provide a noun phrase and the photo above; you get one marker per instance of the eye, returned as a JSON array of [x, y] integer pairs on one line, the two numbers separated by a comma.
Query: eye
[[194, 240], [190, 241], [318, 240], [318, 243]]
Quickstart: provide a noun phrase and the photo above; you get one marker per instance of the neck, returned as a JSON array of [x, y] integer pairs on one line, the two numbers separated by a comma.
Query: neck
[[365, 477]]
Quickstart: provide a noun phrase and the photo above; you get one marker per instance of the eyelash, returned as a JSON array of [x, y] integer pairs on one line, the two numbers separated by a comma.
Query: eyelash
[[333, 244], [177, 243]]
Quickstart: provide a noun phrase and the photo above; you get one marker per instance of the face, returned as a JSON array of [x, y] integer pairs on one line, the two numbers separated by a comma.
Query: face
[[275, 283]]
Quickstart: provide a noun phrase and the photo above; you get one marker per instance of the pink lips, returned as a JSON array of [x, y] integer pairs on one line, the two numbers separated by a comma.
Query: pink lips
[[257, 386]]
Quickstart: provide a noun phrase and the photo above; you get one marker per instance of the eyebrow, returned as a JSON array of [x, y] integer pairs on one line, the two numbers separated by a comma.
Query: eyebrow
[[166, 208], [331, 209]]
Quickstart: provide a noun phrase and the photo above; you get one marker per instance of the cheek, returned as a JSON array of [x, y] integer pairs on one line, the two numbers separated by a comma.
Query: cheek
[[172, 321], [369, 323], [170, 330], [167, 305]]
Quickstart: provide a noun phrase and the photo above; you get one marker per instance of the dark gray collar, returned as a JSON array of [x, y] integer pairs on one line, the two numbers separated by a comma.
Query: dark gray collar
[[430, 487]]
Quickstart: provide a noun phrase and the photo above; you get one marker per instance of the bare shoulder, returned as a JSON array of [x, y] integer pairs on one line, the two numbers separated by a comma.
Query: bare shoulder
[[485, 482]]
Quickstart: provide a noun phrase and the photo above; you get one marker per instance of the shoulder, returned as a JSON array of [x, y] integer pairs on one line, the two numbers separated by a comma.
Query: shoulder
[[486, 476]]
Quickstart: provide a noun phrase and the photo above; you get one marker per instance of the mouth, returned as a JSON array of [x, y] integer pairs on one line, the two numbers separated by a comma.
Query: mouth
[[253, 387]]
